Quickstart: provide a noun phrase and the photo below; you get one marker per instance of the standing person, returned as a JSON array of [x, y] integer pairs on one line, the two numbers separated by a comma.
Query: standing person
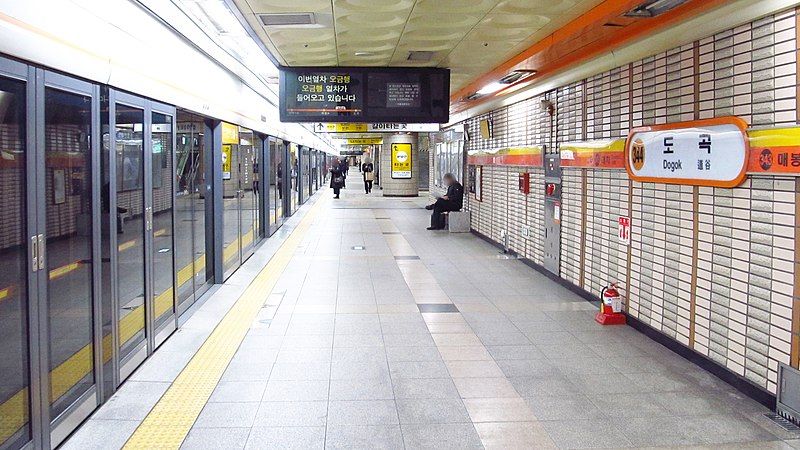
[[337, 178], [452, 201], [343, 166], [369, 173]]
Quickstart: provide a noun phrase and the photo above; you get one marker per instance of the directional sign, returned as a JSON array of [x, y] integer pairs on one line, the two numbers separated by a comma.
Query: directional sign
[[378, 127], [365, 141]]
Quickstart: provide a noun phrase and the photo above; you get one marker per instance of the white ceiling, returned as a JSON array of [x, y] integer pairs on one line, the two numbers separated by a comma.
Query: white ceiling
[[470, 37]]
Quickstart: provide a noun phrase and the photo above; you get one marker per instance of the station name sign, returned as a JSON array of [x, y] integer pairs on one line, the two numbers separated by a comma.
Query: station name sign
[[364, 94], [712, 152]]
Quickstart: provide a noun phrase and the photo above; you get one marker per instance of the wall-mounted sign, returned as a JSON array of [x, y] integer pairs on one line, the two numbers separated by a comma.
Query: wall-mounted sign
[[365, 141], [230, 133], [364, 94], [226, 161], [379, 127], [775, 150], [624, 230], [401, 161], [601, 154], [514, 156], [524, 181], [709, 152]]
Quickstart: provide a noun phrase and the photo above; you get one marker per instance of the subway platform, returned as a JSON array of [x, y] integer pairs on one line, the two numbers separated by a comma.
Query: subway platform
[[357, 328]]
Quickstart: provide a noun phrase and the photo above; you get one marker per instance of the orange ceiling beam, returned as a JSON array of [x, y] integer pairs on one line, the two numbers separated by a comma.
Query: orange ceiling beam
[[578, 41]]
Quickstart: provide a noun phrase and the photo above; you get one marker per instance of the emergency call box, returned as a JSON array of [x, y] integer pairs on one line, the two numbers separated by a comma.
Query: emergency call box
[[525, 183]]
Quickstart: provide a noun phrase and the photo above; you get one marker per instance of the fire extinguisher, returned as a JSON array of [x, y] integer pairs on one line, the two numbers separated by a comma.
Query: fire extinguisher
[[610, 307]]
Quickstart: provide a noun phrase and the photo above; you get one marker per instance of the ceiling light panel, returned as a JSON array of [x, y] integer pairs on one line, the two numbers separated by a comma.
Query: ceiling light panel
[[453, 31]]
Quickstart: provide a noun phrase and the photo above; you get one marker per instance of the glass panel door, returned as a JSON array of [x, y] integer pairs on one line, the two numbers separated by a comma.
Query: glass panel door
[[294, 169], [15, 426], [275, 188], [143, 142], [193, 274], [231, 243], [162, 140], [130, 215], [68, 210], [248, 217]]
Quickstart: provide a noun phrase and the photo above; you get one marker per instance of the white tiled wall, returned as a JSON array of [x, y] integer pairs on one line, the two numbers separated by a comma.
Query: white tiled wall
[[745, 257]]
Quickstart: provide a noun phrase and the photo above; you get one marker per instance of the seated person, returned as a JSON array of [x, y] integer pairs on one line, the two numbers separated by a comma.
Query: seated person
[[452, 201]]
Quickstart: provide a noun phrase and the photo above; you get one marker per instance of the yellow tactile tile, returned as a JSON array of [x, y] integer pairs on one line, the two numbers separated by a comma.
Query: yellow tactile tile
[[173, 416]]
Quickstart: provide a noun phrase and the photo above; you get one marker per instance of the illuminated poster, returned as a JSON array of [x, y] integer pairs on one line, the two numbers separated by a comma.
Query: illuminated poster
[[226, 161], [401, 161]]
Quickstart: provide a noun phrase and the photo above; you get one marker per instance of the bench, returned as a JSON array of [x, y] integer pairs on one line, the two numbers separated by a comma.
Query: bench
[[457, 221]]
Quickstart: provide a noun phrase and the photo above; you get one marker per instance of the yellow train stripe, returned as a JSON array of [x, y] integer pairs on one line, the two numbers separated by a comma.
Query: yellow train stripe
[[169, 421]]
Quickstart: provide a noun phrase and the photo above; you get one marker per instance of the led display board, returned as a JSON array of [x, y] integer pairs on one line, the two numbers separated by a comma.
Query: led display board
[[364, 94]]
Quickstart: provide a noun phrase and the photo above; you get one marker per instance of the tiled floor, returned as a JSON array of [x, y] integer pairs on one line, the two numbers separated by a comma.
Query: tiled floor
[[500, 356]]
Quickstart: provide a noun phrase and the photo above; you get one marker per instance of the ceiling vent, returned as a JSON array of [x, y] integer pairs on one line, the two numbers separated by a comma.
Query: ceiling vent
[[420, 56], [287, 19], [653, 8]]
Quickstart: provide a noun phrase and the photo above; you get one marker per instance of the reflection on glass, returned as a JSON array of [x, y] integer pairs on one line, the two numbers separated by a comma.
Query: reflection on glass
[[190, 233], [163, 268], [231, 255], [15, 425], [294, 165], [276, 183], [247, 193], [68, 201], [130, 227]]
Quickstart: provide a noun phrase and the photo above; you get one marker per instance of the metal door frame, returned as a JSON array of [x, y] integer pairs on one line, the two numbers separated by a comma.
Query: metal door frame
[[153, 337], [18, 71], [162, 332], [67, 421]]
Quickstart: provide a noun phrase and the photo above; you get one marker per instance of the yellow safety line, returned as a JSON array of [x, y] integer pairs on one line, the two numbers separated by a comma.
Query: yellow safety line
[[168, 423], [14, 411]]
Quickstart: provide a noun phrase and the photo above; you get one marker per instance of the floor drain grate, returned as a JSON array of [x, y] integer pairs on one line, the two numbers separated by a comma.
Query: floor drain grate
[[406, 258], [358, 247], [783, 423], [391, 232]]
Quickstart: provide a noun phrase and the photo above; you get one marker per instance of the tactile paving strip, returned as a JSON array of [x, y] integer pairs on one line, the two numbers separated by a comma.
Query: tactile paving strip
[[173, 416]]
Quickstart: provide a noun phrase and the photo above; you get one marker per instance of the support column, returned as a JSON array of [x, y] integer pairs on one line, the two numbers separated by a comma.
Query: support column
[[399, 187]]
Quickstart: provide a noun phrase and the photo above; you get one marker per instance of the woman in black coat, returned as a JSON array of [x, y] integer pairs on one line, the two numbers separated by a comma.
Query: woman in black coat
[[337, 179]]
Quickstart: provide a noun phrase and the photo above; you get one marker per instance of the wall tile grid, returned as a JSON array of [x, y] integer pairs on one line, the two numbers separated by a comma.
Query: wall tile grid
[[663, 91], [517, 211], [534, 243], [746, 241], [745, 246], [661, 257], [570, 128], [572, 235], [746, 276]]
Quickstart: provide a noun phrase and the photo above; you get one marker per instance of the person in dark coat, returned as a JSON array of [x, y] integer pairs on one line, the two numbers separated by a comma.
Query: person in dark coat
[[337, 178], [452, 201], [368, 170], [344, 166]]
